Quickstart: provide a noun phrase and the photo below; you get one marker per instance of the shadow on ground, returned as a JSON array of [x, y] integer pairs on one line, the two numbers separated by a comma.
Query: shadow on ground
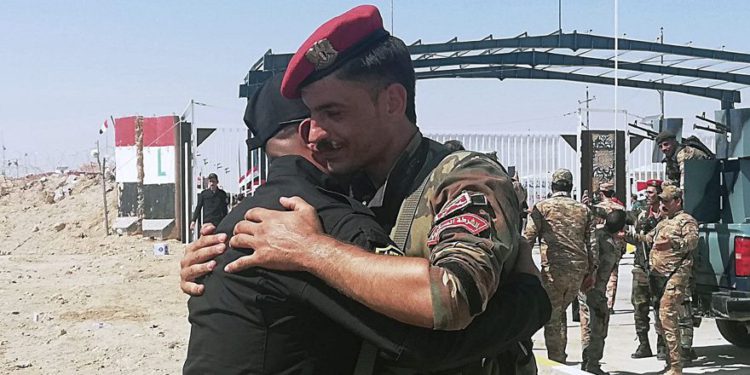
[[729, 359]]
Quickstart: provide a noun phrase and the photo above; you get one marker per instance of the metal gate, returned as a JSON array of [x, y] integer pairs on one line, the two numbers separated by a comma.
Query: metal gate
[[535, 156]]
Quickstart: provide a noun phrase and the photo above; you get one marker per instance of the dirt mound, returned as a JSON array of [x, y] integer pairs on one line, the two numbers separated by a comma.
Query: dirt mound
[[75, 300]]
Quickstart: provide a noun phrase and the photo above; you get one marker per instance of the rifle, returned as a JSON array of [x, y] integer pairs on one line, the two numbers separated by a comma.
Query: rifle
[[650, 134], [720, 128]]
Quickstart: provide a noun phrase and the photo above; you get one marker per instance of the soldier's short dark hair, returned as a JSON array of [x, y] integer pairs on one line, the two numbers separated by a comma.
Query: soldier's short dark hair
[[562, 186], [454, 145], [656, 184], [387, 63], [213, 176], [615, 221]]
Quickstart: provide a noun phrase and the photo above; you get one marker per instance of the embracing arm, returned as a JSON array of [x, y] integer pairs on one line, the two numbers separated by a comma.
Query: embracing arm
[[398, 287], [473, 236]]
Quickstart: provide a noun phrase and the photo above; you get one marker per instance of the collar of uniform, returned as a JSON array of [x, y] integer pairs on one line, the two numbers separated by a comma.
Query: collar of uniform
[[676, 214], [560, 194], [294, 165], [401, 168]]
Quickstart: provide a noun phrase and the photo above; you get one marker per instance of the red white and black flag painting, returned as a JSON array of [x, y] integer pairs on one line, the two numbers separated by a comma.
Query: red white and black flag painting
[[104, 127]]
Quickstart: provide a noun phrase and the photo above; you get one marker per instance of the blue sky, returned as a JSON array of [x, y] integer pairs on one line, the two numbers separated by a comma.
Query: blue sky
[[65, 66]]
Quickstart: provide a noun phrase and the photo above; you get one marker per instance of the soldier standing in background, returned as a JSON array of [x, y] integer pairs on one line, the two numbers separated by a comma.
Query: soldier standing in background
[[593, 303], [672, 244], [568, 261], [640, 292], [607, 204], [522, 196], [675, 156], [213, 202]]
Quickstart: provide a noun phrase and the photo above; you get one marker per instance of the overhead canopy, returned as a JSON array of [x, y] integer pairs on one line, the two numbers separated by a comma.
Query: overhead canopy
[[709, 73]]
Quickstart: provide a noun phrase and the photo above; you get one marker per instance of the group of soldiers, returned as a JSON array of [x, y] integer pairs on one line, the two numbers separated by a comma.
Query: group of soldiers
[[581, 246]]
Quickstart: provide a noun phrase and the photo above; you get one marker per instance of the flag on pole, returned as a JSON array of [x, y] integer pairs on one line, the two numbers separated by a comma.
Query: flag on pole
[[104, 127]]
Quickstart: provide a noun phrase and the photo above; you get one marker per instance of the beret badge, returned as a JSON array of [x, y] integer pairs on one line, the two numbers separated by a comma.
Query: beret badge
[[321, 54]]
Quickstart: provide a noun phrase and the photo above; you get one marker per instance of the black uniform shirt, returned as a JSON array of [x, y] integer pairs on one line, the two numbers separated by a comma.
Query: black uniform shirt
[[248, 322], [214, 205]]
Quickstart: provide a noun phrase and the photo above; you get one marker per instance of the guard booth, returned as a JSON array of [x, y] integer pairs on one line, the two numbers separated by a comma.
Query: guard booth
[[152, 174]]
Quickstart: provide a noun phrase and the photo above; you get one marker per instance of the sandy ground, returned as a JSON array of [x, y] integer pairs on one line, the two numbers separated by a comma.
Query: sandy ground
[[77, 301]]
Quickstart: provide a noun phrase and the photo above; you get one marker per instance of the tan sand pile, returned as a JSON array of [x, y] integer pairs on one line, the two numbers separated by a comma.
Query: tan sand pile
[[75, 301]]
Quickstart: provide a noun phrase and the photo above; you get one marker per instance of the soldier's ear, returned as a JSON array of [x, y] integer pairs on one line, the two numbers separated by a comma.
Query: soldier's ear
[[395, 99]]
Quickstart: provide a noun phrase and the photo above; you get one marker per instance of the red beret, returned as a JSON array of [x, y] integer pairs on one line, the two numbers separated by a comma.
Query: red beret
[[332, 44], [653, 182]]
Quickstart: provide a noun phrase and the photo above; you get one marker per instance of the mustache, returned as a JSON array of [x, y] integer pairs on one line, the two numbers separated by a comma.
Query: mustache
[[325, 145]]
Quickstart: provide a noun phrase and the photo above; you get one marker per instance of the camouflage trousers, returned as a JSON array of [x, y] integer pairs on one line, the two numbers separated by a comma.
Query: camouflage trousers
[[685, 319], [671, 307], [595, 312], [612, 286], [562, 286], [641, 299]]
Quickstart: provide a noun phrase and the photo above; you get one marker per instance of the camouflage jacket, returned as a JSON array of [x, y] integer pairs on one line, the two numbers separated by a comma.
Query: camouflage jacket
[[465, 224], [682, 232], [564, 227], [675, 166], [646, 221], [600, 211]]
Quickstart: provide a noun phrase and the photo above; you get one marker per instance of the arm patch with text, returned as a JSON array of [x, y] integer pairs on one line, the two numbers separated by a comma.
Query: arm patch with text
[[468, 222], [460, 203]]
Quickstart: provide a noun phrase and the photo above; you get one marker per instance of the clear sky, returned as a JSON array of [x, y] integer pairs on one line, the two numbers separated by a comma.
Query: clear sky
[[66, 66]]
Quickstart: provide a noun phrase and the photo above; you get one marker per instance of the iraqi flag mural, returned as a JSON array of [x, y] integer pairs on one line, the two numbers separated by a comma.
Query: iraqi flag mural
[[159, 168]]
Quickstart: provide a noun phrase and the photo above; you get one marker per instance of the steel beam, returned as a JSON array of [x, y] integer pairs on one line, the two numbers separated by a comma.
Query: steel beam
[[510, 72]]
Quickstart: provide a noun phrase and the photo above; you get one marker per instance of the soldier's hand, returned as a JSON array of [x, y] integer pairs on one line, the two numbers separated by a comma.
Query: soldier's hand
[[280, 239], [525, 262], [585, 198], [587, 283], [198, 259]]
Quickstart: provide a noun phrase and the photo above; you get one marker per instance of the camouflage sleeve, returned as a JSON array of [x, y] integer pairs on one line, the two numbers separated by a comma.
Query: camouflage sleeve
[[472, 237], [531, 232], [636, 238], [688, 239], [681, 157], [688, 153], [591, 243]]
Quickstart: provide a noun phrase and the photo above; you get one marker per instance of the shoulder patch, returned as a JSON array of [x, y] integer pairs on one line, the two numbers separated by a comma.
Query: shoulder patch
[[464, 200], [469, 222]]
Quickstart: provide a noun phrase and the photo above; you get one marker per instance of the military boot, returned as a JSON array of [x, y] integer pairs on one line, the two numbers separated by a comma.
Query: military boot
[[644, 348], [688, 355], [595, 369], [661, 349]]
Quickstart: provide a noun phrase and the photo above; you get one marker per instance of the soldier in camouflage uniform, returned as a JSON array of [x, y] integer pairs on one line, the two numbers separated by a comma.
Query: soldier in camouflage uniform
[[673, 242], [359, 84], [594, 309], [607, 203], [564, 227], [641, 294], [675, 156]]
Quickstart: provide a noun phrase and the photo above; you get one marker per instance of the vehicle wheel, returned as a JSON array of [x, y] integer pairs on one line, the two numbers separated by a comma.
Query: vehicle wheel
[[735, 332]]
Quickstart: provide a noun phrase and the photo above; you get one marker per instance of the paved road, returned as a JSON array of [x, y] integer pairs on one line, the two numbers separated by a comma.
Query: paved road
[[716, 355]]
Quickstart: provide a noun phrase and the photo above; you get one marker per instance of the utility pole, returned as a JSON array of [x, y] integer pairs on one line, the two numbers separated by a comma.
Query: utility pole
[[587, 101], [661, 92], [102, 161], [2, 143], [139, 168]]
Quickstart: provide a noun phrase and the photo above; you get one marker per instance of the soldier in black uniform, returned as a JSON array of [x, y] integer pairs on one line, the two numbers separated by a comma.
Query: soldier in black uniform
[[212, 201], [263, 321]]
